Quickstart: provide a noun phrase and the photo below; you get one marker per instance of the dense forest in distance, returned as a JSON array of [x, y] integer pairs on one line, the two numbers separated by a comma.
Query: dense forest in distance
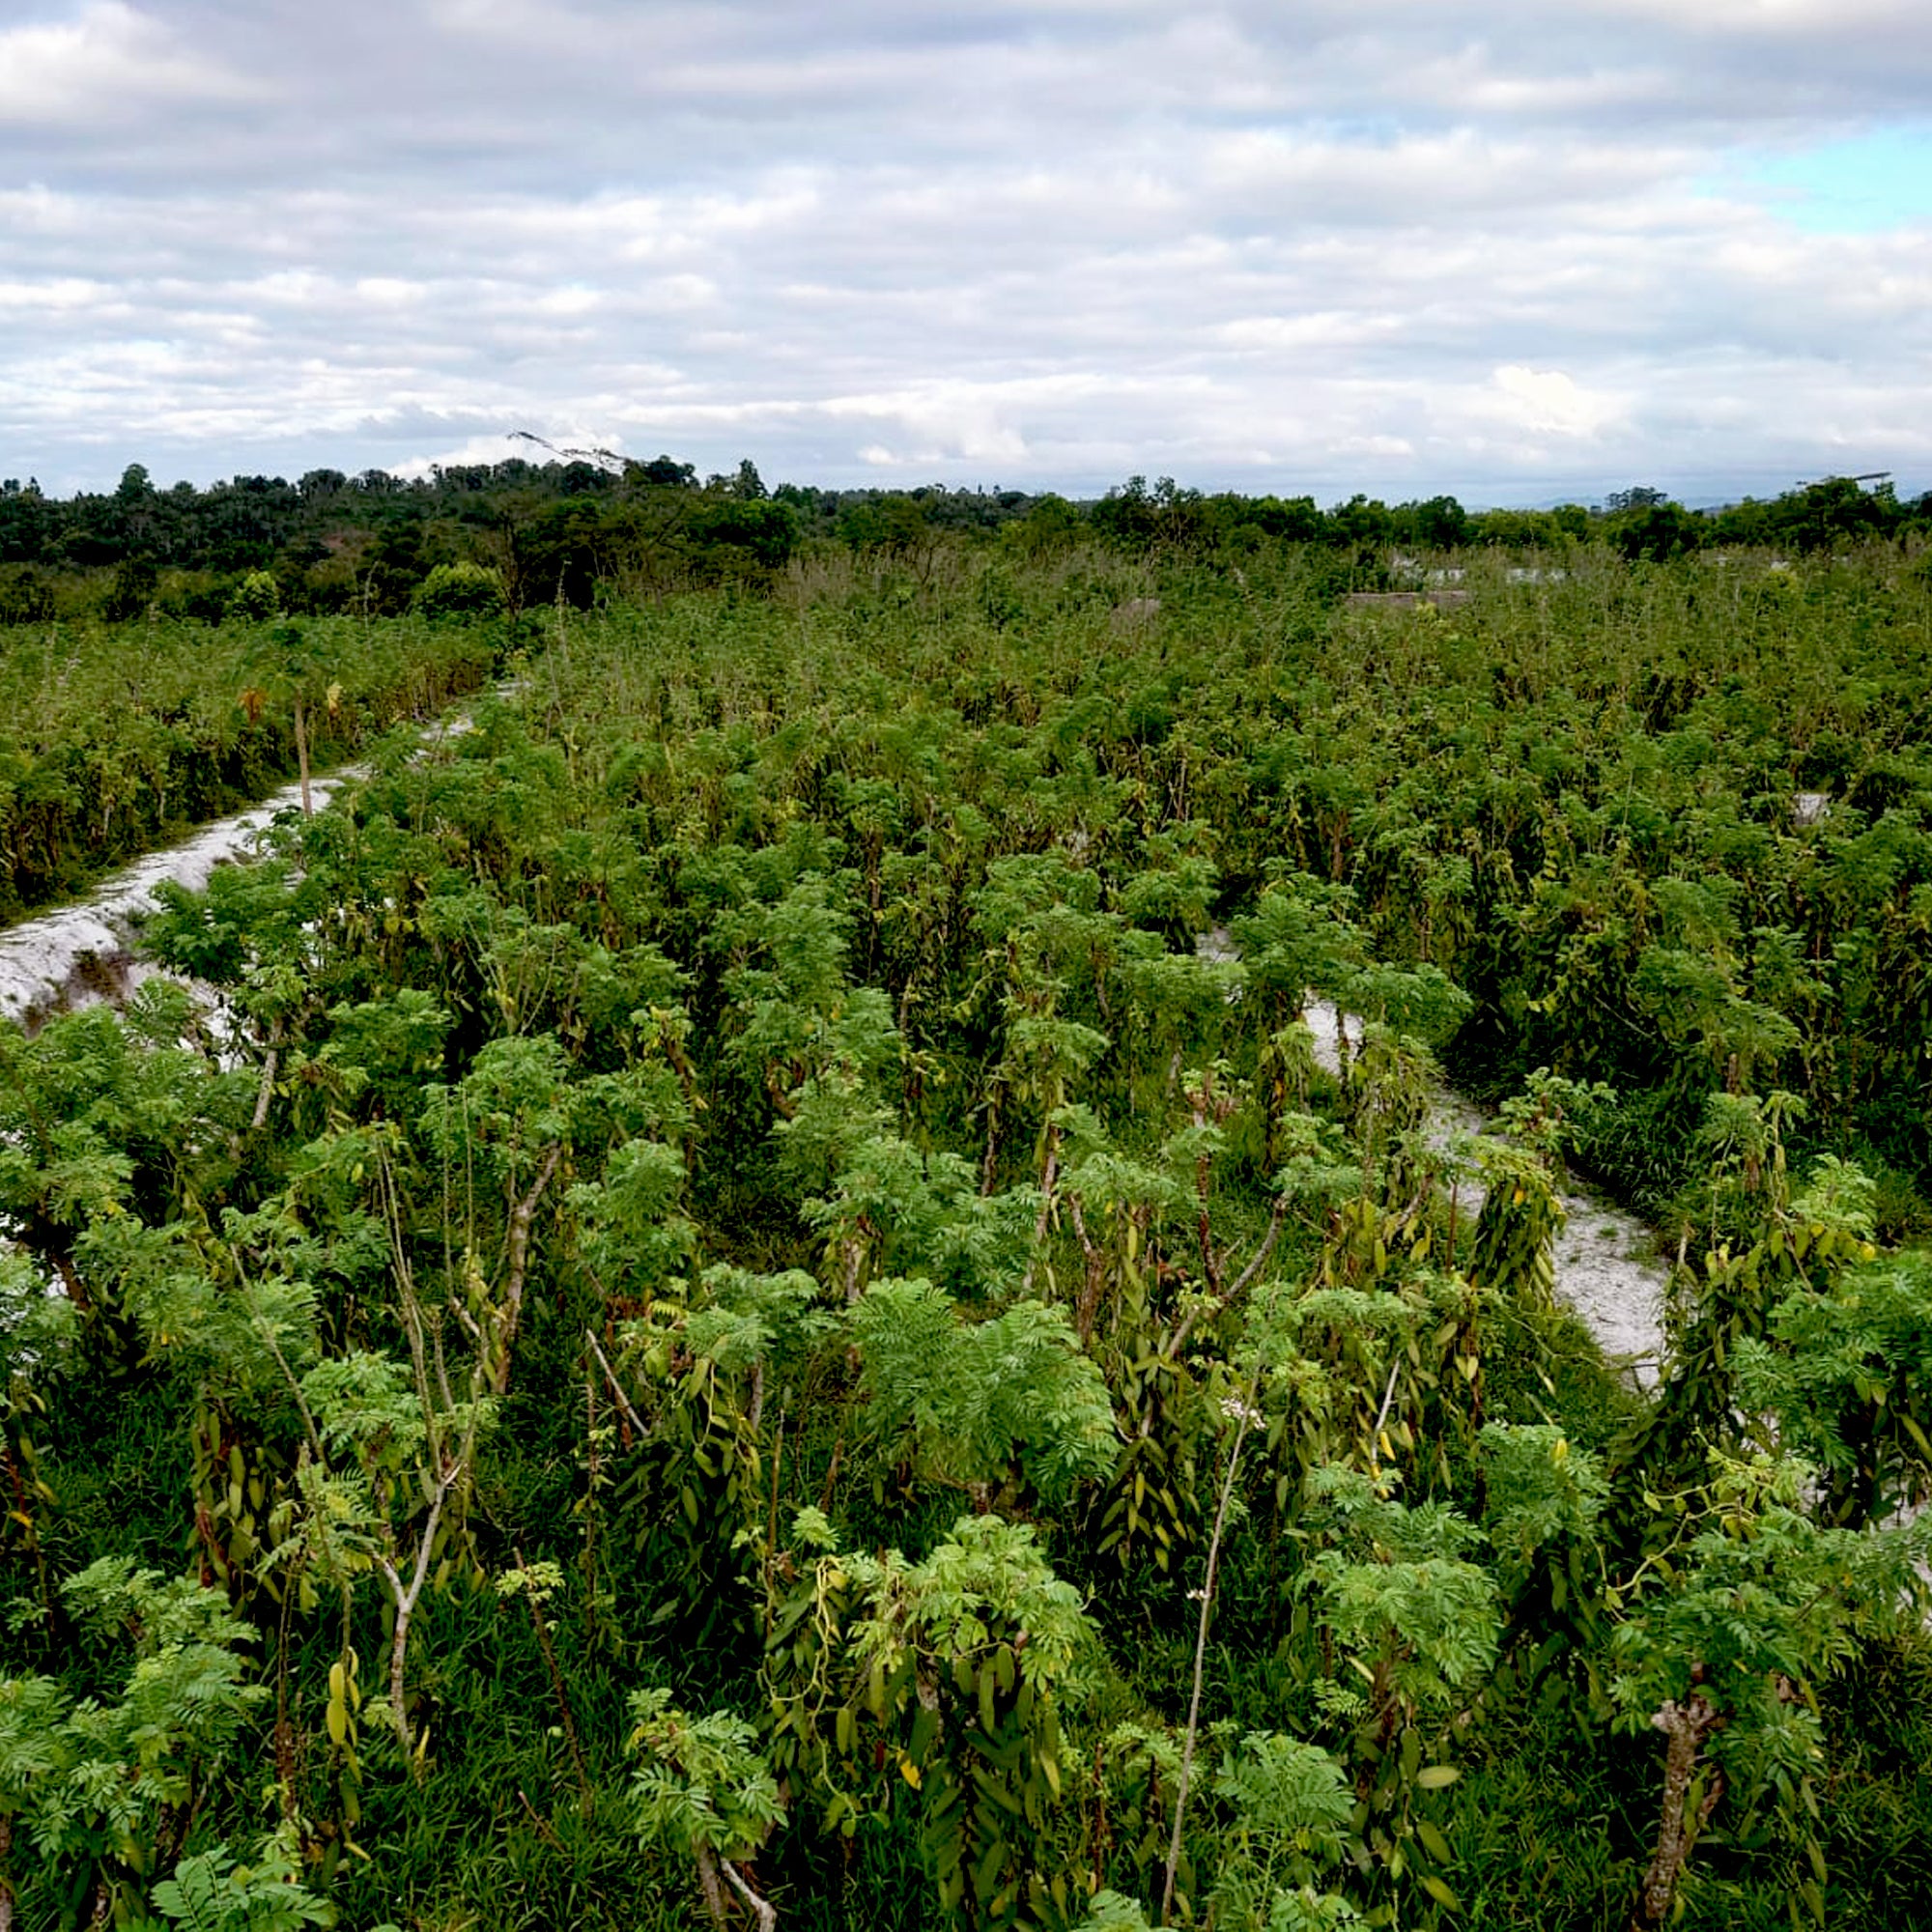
[[555, 528], [764, 1288]]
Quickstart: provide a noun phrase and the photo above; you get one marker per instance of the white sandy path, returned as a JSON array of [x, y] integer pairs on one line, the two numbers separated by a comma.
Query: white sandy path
[[1605, 1262], [78, 954]]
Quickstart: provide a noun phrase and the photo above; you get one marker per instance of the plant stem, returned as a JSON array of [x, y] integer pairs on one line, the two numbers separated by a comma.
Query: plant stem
[[1201, 1654], [301, 758]]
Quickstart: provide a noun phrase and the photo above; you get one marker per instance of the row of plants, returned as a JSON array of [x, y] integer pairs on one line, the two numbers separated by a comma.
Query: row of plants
[[736, 1323], [117, 738]]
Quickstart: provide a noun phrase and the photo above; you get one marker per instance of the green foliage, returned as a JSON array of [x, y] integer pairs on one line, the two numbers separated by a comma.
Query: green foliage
[[1394, 1591], [107, 1791], [1846, 1369], [461, 589], [703, 1786], [1727, 1642], [1292, 1809], [689, 1490], [1109, 1912], [113, 747], [962, 1663], [210, 1892], [1538, 1490], [983, 1403], [1757, 1593], [801, 1065], [256, 599]]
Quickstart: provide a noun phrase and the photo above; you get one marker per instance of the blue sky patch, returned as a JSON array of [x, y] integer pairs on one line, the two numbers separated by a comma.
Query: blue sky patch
[[1858, 186]]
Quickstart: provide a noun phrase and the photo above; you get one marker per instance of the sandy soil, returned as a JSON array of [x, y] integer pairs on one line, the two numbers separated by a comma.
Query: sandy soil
[[79, 954], [1605, 1261], [82, 953]]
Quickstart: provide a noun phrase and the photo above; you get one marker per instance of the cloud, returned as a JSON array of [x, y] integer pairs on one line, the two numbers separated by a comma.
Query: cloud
[[1546, 400], [65, 296], [107, 59], [1782, 17], [1397, 245]]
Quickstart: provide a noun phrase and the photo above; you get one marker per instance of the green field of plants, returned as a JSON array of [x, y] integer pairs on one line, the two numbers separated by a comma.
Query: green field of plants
[[756, 1292]]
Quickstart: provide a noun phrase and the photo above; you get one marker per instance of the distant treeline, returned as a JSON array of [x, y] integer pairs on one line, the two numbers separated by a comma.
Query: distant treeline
[[521, 533]]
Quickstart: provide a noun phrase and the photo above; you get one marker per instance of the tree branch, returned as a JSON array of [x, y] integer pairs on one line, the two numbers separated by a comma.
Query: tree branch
[[768, 1918], [1244, 1410], [631, 1415], [266, 1091], [1266, 1248], [521, 1213]]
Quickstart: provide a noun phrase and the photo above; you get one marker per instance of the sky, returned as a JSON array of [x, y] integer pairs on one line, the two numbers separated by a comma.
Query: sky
[[1519, 252]]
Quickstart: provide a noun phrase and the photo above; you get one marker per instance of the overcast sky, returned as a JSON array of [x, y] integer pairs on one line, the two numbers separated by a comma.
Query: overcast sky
[[1518, 250]]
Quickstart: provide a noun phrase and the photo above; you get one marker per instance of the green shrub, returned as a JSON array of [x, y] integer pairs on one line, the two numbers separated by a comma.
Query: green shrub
[[257, 598], [458, 591]]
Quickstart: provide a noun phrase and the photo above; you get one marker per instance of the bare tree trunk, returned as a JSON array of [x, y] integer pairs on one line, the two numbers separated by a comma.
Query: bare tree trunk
[[1044, 1221], [1092, 1276], [768, 1916], [707, 1877], [405, 1597], [631, 1415], [266, 1092], [521, 1213], [301, 757], [1261, 1253], [71, 1281], [1687, 1725], [399, 1646]]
